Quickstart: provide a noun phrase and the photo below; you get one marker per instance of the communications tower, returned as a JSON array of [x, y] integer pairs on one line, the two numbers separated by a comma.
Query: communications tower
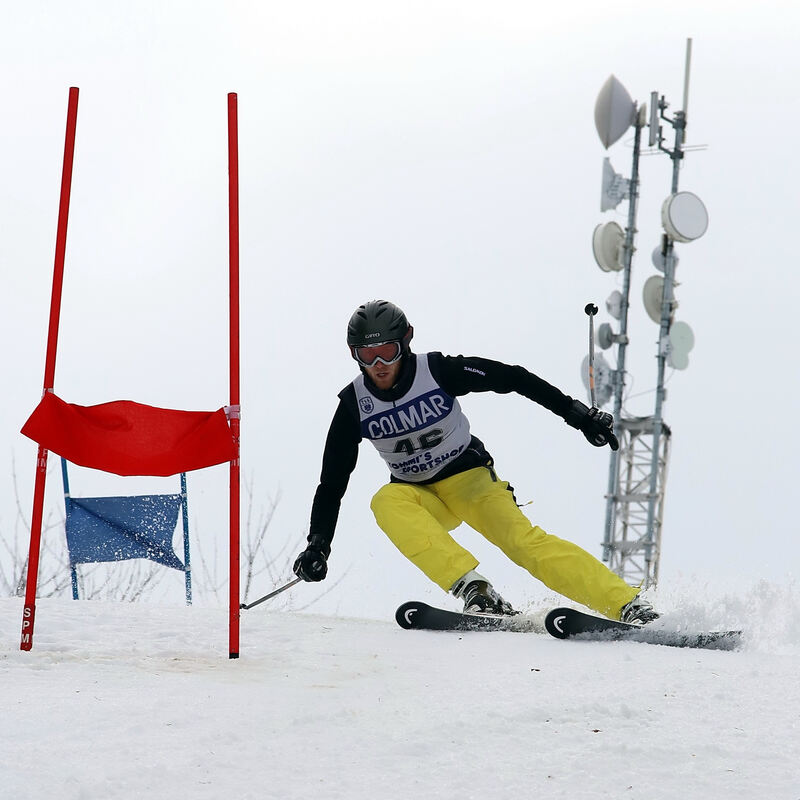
[[637, 472]]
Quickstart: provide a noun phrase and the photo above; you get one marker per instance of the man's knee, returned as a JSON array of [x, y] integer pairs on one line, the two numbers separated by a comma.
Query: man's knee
[[523, 544], [389, 496]]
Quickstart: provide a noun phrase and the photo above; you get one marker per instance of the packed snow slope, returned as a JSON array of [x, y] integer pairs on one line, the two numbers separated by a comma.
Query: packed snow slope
[[141, 701]]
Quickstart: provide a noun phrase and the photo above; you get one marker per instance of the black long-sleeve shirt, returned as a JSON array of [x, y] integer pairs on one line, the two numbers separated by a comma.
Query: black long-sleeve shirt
[[457, 375]]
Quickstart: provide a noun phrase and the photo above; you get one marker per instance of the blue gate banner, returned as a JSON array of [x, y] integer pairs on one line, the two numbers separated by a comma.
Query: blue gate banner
[[119, 528]]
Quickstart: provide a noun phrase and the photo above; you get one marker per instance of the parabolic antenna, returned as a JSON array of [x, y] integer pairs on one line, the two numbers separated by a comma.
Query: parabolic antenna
[[605, 336], [681, 341], [602, 378], [607, 242], [684, 217], [660, 262], [614, 304], [652, 294], [614, 112]]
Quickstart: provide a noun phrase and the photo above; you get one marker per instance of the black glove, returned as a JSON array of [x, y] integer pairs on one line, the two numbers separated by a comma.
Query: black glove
[[596, 425], [312, 564]]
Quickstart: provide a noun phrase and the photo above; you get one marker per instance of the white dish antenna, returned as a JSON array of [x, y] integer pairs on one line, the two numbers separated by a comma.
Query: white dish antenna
[[684, 217], [605, 336], [614, 112], [681, 342], [603, 374], [660, 262], [614, 304], [607, 245], [653, 294]]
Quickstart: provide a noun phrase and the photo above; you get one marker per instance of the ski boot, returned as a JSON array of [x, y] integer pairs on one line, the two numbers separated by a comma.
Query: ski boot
[[638, 612], [479, 597]]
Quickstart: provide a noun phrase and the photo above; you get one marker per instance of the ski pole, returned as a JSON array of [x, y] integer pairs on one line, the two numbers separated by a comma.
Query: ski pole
[[591, 310], [271, 594]]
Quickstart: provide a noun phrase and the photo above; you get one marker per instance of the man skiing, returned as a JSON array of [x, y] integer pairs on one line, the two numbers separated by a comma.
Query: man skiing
[[442, 475]]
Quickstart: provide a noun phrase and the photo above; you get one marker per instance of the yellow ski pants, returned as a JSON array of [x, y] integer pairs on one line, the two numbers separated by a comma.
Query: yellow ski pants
[[418, 518]]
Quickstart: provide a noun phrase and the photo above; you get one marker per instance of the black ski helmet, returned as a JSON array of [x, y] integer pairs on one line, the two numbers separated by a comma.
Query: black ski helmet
[[378, 321]]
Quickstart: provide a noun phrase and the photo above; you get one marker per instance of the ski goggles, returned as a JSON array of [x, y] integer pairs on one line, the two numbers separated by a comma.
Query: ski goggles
[[385, 352]]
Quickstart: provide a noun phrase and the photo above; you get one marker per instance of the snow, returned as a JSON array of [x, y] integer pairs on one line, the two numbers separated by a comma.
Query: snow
[[135, 700]]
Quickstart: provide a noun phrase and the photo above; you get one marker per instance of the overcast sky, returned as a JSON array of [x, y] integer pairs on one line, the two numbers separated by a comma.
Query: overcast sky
[[439, 154]]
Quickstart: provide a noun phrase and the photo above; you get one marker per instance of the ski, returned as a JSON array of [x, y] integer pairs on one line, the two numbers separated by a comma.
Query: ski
[[420, 616], [567, 623], [563, 623]]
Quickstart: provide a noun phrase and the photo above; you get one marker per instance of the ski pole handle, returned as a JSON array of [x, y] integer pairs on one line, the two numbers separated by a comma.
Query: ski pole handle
[[271, 594], [591, 310]]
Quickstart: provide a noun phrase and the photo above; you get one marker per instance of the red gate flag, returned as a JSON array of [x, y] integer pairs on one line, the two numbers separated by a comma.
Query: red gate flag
[[129, 438]]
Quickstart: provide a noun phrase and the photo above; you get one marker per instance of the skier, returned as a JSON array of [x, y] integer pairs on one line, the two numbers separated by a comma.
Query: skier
[[441, 475]]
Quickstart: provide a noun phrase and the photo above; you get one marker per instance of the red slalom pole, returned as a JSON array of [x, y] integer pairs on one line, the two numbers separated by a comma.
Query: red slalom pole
[[233, 235], [29, 610]]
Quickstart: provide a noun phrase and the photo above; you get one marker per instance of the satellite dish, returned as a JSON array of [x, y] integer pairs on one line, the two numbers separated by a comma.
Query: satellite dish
[[681, 341], [678, 360], [607, 245], [684, 217], [614, 112], [652, 294], [614, 188], [614, 304], [605, 336], [603, 376], [660, 262]]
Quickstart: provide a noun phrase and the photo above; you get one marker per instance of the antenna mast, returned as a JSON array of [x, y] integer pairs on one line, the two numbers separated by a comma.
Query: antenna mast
[[638, 470]]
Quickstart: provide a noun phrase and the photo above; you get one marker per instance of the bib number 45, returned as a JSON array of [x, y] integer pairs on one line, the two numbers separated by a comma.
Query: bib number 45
[[425, 441]]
